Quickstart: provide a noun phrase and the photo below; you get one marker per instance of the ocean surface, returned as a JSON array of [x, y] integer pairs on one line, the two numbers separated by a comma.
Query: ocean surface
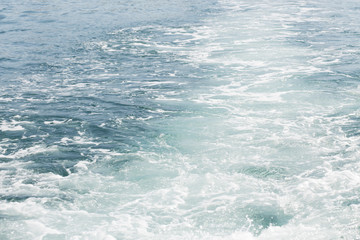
[[171, 120]]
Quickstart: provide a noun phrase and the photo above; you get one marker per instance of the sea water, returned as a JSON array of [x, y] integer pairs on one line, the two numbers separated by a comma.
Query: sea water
[[217, 119]]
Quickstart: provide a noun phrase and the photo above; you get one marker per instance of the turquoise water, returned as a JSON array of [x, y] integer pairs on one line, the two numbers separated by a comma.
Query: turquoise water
[[179, 119]]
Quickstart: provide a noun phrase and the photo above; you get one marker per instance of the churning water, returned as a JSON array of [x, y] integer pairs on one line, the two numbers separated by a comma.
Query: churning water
[[158, 119]]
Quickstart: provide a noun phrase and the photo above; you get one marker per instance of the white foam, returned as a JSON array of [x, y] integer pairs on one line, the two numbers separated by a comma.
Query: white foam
[[31, 151], [263, 113], [38, 230], [54, 122], [11, 126], [82, 140]]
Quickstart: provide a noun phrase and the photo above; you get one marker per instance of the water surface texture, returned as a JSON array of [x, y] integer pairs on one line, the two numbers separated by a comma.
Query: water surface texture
[[157, 119]]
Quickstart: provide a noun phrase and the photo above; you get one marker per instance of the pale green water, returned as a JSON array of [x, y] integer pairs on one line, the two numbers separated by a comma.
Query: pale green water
[[179, 120]]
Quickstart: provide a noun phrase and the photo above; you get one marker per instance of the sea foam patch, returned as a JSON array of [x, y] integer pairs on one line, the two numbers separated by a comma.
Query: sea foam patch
[[228, 120]]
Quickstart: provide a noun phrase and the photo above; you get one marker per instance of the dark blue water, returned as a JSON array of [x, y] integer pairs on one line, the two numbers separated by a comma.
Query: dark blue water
[[179, 119]]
